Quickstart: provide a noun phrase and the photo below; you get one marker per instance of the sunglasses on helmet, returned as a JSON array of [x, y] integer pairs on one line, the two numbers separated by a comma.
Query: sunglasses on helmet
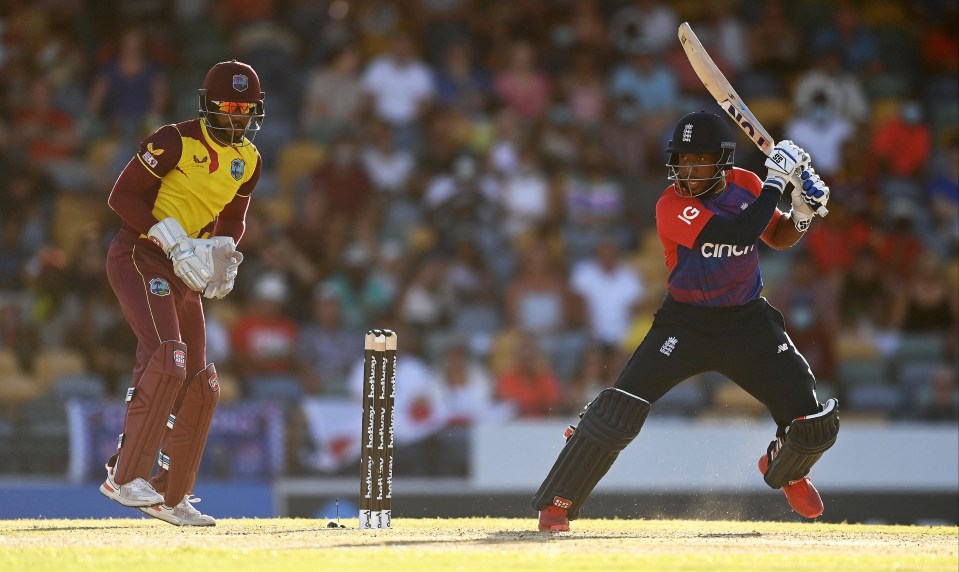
[[234, 107]]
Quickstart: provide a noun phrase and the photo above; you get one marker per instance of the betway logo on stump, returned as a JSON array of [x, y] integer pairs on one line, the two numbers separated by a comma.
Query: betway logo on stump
[[710, 250]]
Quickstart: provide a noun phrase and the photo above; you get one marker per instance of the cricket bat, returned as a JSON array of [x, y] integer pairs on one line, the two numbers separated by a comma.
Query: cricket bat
[[724, 94]]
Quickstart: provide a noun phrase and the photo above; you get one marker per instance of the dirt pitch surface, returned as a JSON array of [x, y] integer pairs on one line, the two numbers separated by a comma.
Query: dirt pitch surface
[[486, 545]]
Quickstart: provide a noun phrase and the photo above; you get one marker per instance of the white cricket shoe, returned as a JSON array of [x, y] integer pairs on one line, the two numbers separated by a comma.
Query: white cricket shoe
[[137, 493], [183, 514]]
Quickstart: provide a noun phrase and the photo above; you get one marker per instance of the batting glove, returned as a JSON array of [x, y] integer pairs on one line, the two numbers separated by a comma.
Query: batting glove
[[786, 160]]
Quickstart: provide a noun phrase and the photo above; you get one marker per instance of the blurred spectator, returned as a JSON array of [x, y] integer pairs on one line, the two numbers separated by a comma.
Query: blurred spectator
[[462, 201], [363, 293], [467, 392], [726, 34], [321, 28], [129, 93], [925, 303], [52, 307], [643, 26], [652, 86], [28, 198], [325, 346], [940, 43], [47, 133], [460, 84], [521, 85], [774, 41], [524, 196], [901, 150], [942, 401], [594, 373], [268, 45], [834, 241], [425, 301], [821, 134], [626, 138], [595, 204], [612, 291], [529, 383], [809, 306], [587, 25], [505, 142], [900, 246], [864, 289], [583, 90], [389, 166], [401, 88], [540, 303], [333, 96], [855, 41], [472, 285], [943, 197], [827, 84], [343, 181], [263, 337]]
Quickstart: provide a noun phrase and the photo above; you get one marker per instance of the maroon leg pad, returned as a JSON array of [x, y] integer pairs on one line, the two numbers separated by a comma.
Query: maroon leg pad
[[148, 410], [183, 444]]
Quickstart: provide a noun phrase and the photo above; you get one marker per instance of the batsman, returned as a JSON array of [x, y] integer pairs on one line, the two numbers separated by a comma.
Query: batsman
[[182, 201], [713, 318]]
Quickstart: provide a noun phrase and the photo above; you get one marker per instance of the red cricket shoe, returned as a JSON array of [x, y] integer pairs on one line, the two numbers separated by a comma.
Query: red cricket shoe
[[802, 495], [553, 519]]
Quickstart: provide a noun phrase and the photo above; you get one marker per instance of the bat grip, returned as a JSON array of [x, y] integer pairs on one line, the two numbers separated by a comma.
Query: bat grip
[[821, 210]]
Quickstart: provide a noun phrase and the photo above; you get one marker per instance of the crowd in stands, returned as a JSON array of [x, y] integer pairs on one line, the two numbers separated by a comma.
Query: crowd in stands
[[480, 176]]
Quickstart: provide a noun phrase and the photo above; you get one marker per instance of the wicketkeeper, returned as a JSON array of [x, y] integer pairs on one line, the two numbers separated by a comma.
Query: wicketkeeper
[[182, 200], [713, 318]]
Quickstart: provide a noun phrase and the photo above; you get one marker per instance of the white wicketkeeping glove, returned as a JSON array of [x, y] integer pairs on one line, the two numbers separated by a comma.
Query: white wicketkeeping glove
[[169, 235], [786, 161], [225, 261], [808, 194]]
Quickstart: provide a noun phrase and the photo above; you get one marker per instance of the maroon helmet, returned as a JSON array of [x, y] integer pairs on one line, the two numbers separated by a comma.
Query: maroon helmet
[[231, 103]]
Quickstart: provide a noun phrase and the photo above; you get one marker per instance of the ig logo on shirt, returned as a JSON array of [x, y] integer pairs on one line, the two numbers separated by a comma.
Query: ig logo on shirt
[[689, 213]]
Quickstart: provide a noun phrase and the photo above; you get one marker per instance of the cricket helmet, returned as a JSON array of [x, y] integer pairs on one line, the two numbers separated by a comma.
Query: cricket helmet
[[231, 103], [700, 132]]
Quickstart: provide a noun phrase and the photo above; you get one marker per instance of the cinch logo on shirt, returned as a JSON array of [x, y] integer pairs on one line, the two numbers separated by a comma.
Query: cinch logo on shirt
[[710, 250]]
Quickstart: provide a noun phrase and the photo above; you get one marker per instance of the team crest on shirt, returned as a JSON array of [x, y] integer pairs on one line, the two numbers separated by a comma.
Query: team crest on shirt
[[159, 287], [214, 384], [240, 82], [237, 167]]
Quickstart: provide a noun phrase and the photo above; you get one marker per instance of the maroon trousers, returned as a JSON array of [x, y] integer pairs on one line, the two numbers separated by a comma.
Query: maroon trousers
[[159, 307], [155, 302]]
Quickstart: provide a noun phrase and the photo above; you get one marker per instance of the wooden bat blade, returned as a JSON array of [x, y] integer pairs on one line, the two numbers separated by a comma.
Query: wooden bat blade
[[724, 94], [721, 90]]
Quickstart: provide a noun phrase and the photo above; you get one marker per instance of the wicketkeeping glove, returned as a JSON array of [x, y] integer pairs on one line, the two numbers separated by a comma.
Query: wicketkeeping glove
[[786, 161], [225, 260], [169, 235]]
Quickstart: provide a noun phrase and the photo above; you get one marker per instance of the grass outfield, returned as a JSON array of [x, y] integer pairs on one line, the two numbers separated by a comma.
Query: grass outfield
[[475, 544]]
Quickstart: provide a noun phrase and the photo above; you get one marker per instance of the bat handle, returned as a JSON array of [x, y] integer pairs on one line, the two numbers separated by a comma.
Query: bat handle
[[821, 210]]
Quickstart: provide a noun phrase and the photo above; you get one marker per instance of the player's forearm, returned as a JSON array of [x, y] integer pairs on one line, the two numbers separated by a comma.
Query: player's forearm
[[783, 235], [232, 219], [745, 229]]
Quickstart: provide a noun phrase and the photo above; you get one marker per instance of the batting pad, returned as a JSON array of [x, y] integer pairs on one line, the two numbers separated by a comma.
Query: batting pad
[[148, 408], [186, 439], [807, 438], [609, 423]]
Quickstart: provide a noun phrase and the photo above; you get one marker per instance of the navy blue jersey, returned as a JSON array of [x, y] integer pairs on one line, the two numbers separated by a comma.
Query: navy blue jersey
[[704, 273]]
